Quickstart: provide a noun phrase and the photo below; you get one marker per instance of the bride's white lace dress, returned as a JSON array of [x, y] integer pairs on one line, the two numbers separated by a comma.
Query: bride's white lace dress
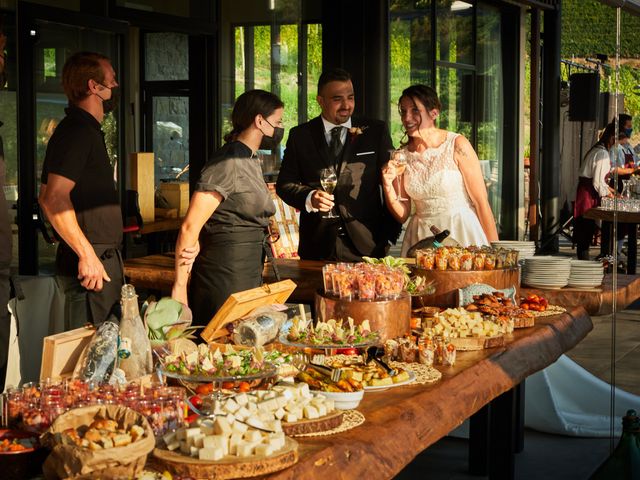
[[434, 183]]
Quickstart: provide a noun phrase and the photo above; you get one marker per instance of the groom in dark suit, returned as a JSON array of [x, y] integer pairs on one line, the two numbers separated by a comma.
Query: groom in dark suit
[[357, 148]]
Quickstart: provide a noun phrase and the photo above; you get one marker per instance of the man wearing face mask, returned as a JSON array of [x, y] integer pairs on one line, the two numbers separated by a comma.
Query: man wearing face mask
[[230, 210], [79, 197]]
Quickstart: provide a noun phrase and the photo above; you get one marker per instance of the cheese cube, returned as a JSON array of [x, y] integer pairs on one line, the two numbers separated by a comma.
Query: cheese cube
[[274, 425], [281, 401], [181, 434], [242, 414], [222, 427], [330, 404], [216, 442], [304, 391], [234, 441], [310, 412], [241, 399], [264, 449], [207, 427], [269, 405], [253, 436], [231, 405], [245, 449], [269, 395], [266, 416], [290, 418], [279, 414], [239, 427], [194, 451], [252, 407], [169, 438], [230, 418], [174, 445], [255, 422], [288, 393], [211, 454], [322, 410], [197, 440], [276, 440], [260, 394]]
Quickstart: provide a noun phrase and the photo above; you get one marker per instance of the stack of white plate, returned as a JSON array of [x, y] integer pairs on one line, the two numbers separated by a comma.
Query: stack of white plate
[[525, 249], [586, 274], [546, 272]]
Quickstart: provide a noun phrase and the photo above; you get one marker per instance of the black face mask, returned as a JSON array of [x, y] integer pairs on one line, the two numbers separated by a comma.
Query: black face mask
[[271, 142], [111, 104]]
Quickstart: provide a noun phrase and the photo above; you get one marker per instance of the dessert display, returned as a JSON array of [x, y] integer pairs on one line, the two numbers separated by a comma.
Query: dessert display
[[534, 303], [370, 374], [424, 350], [363, 281], [466, 259]]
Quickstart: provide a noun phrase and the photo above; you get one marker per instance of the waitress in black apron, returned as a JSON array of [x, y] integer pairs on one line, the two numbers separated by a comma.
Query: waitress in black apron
[[229, 211]]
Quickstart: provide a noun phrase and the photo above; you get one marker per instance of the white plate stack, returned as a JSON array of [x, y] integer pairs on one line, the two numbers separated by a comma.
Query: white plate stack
[[525, 249], [586, 274], [546, 272]]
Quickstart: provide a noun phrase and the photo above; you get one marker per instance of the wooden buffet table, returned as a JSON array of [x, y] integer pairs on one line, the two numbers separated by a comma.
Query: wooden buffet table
[[156, 272], [402, 422]]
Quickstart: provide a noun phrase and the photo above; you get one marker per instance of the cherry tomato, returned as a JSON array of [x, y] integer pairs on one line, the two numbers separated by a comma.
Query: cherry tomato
[[196, 401], [348, 351], [228, 385], [191, 418], [244, 387], [204, 389]]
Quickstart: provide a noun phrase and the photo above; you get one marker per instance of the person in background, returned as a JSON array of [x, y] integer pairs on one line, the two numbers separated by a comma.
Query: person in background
[[623, 162], [356, 148], [443, 178], [229, 211], [5, 242], [592, 186]]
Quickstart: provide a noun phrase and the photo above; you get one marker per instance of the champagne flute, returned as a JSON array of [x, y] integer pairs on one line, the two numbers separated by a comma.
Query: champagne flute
[[329, 180], [399, 159]]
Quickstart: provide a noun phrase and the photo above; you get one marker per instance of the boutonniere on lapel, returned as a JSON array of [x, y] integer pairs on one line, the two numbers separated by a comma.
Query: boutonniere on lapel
[[354, 132]]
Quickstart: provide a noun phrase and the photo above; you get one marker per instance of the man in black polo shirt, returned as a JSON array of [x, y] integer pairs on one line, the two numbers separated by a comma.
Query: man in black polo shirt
[[79, 196]]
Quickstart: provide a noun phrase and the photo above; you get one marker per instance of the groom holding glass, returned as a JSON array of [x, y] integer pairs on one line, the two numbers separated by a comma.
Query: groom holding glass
[[353, 221]]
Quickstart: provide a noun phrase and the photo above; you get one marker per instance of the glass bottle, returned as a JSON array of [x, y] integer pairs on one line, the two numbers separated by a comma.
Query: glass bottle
[[624, 462], [135, 349]]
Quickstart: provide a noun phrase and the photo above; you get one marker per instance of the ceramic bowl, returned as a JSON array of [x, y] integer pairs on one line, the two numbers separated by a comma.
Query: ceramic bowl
[[344, 400]]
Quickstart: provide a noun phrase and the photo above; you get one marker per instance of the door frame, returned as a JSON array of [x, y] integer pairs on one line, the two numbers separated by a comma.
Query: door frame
[[27, 15]]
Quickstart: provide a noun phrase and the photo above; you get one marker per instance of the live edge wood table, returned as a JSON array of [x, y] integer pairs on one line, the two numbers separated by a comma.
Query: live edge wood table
[[156, 272], [402, 422]]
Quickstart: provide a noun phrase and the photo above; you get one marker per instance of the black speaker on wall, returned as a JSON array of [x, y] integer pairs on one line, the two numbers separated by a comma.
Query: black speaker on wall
[[584, 92]]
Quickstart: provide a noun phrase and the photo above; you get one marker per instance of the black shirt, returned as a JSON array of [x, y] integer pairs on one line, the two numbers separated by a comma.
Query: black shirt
[[77, 151], [236, 175]]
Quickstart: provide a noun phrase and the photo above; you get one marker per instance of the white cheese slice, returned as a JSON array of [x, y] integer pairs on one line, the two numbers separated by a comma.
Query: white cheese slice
[[238, 427], [222, 427], [245, 449], [211, 454], [310, 412], [234, 441], [207, 427], [242, 414], [279, 414], [253, 436], [194, 451], [231, 405], [322, 410], [174, 445], [241, 399], [217, 442], [290, 418], [197, 440], [264, 449], [270, 405]]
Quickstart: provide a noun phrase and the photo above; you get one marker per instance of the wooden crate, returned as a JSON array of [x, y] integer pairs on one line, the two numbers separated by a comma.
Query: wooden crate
[[177, 195], [142, 181], [60, 352], [241, 303]]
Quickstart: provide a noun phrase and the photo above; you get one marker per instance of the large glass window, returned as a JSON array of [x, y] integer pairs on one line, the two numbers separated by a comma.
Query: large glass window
[[489, 104], [454, 39], [411, 55], [275, 49]]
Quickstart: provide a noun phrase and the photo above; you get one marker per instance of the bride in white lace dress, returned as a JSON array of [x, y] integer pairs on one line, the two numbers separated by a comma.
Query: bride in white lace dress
[[442, 178]]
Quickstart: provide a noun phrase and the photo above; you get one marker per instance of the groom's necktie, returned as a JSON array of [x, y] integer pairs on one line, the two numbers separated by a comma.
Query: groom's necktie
[[335, 146]]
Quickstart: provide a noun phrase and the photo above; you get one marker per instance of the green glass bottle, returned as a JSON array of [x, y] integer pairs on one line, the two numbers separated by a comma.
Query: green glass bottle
[[624, 462]]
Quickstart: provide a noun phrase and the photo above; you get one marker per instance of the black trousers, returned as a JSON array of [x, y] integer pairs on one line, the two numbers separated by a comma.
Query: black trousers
[[583, 231]]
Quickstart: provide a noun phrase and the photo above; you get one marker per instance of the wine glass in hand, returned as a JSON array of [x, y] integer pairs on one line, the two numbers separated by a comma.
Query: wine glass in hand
[[399, 160], [328, 180]]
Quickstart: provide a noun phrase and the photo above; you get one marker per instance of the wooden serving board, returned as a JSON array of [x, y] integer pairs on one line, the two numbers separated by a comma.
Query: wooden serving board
[[322, 424], [467, 344], [61, 352], [241, 303], [228, 467]]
